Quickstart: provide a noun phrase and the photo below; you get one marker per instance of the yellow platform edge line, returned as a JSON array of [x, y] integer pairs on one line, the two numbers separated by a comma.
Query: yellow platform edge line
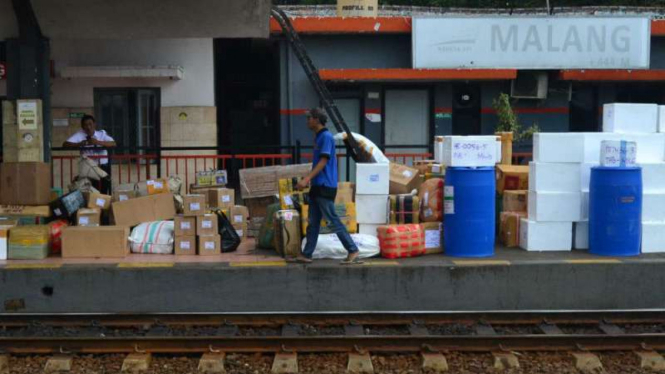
[[134, 265], [481, 262], [248, 264], [381, 263], [595, 261], [32, 266]]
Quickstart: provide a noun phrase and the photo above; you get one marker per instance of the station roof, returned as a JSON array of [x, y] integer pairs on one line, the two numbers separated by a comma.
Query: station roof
[[144, 19], [322, 19]]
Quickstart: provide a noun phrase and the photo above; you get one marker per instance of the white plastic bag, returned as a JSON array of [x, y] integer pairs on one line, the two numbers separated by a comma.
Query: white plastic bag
[[367, 145], [329, 246], [152, 237]]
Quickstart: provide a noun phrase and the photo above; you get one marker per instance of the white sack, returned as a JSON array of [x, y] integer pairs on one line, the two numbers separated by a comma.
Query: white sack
[[88, 168], [329, 246], [152, 237], [367, 145]]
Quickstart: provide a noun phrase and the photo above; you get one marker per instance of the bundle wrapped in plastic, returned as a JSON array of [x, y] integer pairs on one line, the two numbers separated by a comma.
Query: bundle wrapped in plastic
[[153, 237], [372, 153], [90, 169]]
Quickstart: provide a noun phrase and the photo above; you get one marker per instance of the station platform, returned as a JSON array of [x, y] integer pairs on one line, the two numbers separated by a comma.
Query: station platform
[[258, 281]]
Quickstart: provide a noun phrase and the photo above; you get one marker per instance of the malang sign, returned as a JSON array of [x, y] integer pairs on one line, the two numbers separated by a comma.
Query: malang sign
[[532, 43]]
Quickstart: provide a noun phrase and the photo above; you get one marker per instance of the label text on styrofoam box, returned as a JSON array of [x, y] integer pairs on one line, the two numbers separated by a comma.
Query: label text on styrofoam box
[[473, 151], [618, 153]]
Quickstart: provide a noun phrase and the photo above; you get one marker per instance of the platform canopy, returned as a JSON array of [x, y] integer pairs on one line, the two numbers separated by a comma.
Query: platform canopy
[[144, 19]]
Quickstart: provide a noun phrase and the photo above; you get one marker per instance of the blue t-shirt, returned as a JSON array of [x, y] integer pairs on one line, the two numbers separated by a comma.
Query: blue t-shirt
[[325, 146]]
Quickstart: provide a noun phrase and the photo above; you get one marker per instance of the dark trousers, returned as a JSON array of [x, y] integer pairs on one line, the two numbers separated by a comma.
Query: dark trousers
[[105, 183]]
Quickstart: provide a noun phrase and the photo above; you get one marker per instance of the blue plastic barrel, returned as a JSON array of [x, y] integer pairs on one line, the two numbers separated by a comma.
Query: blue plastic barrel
[[469, 217], [615, 211]]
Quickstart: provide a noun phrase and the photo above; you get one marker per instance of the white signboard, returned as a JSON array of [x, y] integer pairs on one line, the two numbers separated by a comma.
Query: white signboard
[[27, 115], [532, 42]]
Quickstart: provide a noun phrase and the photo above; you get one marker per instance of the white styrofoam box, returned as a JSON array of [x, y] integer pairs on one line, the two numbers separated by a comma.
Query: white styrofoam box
[[661, 118], [653, 206], [653, 237], [592, 141], [585, 175], [650, 147], [581, 235], [653, 177], [585, 205], [368, 228], [558, 147], [372, 179], [624, 118], [372, 209], [618, 153], [554, 176], [555, 206], [546, 236], [471, 151], [438, 149]]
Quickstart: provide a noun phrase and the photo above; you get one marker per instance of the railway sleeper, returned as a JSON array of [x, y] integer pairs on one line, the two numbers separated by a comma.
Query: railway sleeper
[[505, 361], [360, 363], [58, 364], [212, 363], [285, 363], [651, 360], [587, 362], [136, 362], [434, 361], [4, 364]]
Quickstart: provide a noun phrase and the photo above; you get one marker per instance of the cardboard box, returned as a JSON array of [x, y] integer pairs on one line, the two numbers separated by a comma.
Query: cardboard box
[[194, 205], [97, 200], [618, 153], [424, 166], [184, 245], [653, 177], [209, 245], [4, 234], [25, 183], [258, 206], [433, 237], [152, 187], [403, 179], [512, 177], [581, 234], [239, 215], [221, 198], [372, 209], [212, 178], [159, 207], [554, 177], [184, 226], [438, 149], [262, 182], [346, 213], [509, 228], [558, 147], [43, 211], [471, 151], [90, 242], [630, 118], [123, 195], [241, 230], [653, 206], [368, 228], [372, 179], [546, 236], [653, 237], [555, 206], [207, 225], [345, 193], [88, 217], [515, 201]]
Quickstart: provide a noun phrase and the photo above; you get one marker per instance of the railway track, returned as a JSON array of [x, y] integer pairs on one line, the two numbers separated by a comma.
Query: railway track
[[322, 333]]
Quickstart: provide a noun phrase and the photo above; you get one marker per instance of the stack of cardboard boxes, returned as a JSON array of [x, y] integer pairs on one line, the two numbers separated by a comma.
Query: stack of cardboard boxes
[[511, 187]]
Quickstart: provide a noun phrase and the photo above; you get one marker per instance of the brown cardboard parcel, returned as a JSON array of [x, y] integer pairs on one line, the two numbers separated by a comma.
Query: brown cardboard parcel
[[185, 245], [209, 245], [185, 226], [207, 225], [25, 183], [261, 182], [194, 205], [223, 198], [403, 179], [102, 241], [132, 212], [88, 217], [97, 200], [239, 215]]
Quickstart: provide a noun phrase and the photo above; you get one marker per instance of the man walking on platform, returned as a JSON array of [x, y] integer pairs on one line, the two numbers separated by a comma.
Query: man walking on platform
[[323, 179]]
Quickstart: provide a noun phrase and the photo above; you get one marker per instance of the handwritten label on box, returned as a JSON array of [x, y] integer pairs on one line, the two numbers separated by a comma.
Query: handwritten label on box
[[618, 153]]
